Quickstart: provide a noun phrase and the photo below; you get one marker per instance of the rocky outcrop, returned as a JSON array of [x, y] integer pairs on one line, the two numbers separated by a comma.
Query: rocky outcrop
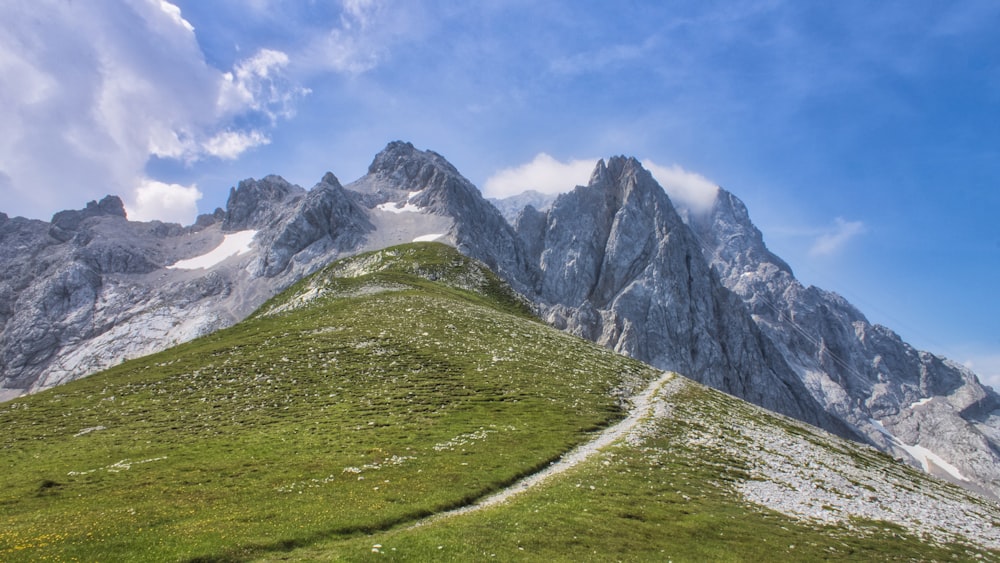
[[255, 204], [323, 221], [65, 224]]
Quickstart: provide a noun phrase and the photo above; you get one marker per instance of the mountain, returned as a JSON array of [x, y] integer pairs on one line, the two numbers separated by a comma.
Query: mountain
[[616, 262], [510, 207], [620, 268], [90, 288], [405, 403], [913, 404]]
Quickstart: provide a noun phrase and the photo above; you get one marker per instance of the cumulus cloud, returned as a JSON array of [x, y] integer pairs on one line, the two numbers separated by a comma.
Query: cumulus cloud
[[175, 14], [686, 189], [231, 144], [543, 174], [172, 203], [836, 238], [92, 91]]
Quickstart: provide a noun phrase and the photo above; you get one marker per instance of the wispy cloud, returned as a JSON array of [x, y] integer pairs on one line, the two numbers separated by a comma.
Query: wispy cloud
[[603, 57], [363, 36], [837, 237], [230, 145], [259, 84], [543, 174], [687, 189]]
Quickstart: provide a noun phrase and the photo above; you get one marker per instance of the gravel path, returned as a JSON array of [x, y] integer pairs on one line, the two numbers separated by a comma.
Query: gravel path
[[643, 407]]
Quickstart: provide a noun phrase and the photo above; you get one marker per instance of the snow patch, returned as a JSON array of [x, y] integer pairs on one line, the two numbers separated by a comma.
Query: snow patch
[[428, 238], [921, 454], [402, 207], [923, 401], [233, 244]]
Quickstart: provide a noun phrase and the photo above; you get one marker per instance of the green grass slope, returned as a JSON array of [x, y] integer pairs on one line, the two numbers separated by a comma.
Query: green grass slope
[[671, 491], [391, 387]]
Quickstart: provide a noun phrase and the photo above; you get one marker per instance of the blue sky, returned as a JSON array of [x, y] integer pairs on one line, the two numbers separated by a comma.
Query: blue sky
[[863, 136]]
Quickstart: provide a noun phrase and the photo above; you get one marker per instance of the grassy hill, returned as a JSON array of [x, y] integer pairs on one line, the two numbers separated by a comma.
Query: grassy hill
[[384, 390]]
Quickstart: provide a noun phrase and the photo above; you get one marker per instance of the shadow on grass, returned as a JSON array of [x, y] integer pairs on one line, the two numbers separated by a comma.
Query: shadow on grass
[[249, 552]]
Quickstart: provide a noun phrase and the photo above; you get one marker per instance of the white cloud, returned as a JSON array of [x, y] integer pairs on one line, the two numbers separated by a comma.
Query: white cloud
[[172, 203], [175, 14], [359, 11], [543, 174], [231, 144], [686, 189], [832, 241], [92, 91], [258, 84]]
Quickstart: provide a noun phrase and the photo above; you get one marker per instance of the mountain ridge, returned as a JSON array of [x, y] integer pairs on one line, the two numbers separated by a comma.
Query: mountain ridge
[[613, 261]]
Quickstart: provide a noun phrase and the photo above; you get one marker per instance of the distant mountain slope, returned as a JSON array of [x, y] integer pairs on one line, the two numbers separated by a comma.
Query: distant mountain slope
[[911, 403], [396, 385], [91, 288]]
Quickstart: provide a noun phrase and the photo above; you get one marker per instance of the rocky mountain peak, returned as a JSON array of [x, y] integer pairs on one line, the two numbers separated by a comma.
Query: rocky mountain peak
[[65, 223], [329, 180], [898, 397], [736, 244], [405, 163], [624, 181], [252, 203], [425, 180]]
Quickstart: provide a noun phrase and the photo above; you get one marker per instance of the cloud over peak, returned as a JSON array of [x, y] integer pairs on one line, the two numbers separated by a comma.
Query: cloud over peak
[[834, 239], [686, 189], [543, 174], [172, 203]]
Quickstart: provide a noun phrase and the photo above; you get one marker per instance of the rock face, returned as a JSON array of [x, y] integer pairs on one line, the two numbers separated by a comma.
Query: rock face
[[620, 268], [911, 403], [615, 262], [91, 289]]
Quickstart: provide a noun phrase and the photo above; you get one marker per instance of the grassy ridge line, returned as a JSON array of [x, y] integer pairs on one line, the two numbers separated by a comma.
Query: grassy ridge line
[[340, 416], [429, 266]]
